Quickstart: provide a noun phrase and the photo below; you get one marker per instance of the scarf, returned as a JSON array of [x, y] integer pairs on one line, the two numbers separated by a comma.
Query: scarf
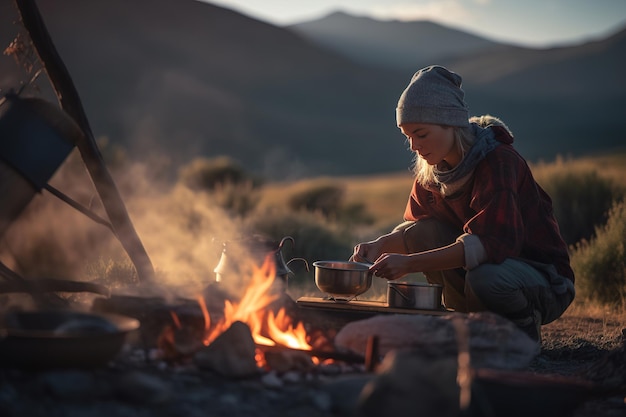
[[485, 141]]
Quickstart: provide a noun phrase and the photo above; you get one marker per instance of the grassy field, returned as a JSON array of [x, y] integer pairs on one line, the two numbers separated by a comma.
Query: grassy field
[[384, 196]]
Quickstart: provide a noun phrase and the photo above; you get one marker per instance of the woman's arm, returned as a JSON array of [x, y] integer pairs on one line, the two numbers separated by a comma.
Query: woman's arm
[[394, 265], [370, 251]]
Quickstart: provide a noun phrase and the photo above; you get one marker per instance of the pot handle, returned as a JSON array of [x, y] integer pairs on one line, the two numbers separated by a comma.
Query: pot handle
[[285, 239], [306, 264], [400, 292]]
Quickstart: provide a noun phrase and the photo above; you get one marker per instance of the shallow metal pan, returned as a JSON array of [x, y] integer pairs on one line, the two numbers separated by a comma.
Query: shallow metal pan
[[62, 339]]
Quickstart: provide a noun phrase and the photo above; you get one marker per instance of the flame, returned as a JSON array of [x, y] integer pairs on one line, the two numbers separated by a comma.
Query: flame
[[205, 313], [267, 328], [175, 319], [282, 331]]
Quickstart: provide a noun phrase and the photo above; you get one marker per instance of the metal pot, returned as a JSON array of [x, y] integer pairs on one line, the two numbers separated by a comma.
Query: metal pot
[[342, 280], [416, 295]]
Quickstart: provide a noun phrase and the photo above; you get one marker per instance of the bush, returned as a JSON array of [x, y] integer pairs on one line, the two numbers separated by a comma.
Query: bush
[[600, 264], [203, 174], [230, 186], [314, 238], [325, 198], [581, 201], [238, 199]]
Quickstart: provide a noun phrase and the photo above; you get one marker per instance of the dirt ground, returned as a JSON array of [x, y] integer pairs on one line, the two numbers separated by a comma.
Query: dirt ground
[[591, 346], [579, 344]]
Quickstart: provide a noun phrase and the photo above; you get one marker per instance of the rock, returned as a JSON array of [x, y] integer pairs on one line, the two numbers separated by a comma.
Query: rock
[[68, 384], [344, 392], [232, 354], [321, 400], [408, 384], [272, 380], [142, 388], [494, 342]]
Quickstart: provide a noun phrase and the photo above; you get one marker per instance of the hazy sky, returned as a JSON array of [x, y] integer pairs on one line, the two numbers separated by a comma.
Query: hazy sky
[[527, 22]]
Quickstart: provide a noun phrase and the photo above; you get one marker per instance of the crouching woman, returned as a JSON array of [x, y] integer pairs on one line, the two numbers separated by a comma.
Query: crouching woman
[[477, 223]]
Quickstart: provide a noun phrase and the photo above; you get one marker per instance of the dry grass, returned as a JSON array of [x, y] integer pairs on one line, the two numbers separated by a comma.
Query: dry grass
[[597, 311], [385, 196], [611, 166]]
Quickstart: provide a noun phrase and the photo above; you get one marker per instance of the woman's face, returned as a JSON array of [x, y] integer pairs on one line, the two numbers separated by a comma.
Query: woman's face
[[433, 143]]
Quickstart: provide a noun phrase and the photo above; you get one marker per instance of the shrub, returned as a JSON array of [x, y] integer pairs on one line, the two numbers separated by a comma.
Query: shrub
[[581, 201], [231, 188], [204, 174], [314, 238], [328, 200], [600, 264], [238, 199], [325, 198]]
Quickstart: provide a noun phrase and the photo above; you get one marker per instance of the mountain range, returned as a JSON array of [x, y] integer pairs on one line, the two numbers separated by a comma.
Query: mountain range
[[179, 79]]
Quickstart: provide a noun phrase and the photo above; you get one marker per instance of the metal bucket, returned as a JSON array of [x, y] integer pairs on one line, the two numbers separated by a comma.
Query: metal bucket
[[37, 137], [415, 295]]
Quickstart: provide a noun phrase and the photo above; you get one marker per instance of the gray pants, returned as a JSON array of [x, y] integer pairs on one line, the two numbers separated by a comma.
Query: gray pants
[[510, 289]]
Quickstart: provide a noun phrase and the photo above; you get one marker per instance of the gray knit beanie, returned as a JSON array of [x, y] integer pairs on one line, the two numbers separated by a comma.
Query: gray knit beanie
[[434, 96]]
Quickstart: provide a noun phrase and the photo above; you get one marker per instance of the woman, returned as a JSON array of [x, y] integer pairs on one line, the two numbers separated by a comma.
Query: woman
[[476, 220]]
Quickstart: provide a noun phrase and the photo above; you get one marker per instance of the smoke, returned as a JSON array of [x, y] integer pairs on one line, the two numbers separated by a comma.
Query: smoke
[[182, 231]]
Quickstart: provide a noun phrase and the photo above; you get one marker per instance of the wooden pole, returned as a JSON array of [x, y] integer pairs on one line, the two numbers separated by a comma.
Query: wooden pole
[[70, 102]]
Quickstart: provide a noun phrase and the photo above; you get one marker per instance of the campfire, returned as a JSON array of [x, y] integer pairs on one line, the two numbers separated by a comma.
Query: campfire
[[272, 330], [267, 328]]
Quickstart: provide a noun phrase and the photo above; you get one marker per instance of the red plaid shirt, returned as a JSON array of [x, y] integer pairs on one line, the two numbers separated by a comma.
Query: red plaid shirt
[[502, 205]]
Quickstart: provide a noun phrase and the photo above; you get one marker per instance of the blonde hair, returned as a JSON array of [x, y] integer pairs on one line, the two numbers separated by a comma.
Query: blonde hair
[[424, 173]]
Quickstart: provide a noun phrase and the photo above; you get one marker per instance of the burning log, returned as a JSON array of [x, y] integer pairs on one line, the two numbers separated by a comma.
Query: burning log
[[336, 355], [282, 360], [178, 342]]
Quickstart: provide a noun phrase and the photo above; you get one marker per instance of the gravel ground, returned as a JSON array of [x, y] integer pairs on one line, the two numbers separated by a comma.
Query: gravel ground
[[131, 386]]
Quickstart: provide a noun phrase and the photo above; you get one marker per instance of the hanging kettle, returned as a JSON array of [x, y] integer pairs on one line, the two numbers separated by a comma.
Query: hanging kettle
[[258, 248]]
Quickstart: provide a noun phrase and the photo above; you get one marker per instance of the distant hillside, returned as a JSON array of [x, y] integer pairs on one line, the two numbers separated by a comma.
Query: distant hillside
[[183, 78], [393, 43], [568, 100], [565, 100]]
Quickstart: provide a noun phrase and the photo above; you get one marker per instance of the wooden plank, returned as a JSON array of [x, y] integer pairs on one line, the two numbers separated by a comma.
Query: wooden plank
[[358, 305]]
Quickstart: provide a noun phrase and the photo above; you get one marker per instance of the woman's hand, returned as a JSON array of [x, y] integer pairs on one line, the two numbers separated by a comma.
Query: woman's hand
[[391, 266], [368, 251]]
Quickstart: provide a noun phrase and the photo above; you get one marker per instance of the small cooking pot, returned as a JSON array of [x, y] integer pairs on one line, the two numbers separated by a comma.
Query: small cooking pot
[[417, 295], [342, 280]]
